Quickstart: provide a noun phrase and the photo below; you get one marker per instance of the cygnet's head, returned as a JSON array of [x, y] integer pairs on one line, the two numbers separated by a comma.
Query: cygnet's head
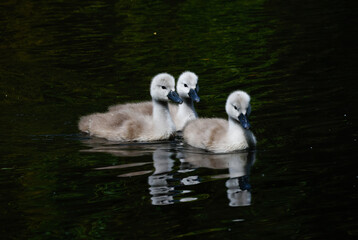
[[187, 86], [238, 107], [162, 88]]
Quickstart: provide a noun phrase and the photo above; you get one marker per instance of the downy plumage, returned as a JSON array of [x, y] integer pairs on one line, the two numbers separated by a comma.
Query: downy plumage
[[131, 125], [218, 135], [187, 88]]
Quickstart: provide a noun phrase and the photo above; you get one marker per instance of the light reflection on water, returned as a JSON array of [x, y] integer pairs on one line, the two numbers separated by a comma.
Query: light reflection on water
[[167, 183]]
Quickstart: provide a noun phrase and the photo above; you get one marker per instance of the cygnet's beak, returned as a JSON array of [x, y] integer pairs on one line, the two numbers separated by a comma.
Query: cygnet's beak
[[243, 121], [172, 95], [194, 95]]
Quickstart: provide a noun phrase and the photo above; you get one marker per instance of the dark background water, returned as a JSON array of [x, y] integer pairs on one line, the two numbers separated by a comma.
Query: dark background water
[[63, 59]]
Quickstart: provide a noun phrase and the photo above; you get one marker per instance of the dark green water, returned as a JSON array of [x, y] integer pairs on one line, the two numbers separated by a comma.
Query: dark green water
[[63, 59]]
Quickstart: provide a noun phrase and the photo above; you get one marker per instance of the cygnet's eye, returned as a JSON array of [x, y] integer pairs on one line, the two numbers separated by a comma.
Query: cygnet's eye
[[185, 85], [235, 107], [164, 87]]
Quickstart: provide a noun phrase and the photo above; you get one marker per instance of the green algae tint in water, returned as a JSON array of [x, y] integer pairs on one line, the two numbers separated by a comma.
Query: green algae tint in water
[[64, 59]]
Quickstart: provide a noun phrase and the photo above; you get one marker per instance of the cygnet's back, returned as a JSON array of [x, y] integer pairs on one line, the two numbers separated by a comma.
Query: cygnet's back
[[145, 108]]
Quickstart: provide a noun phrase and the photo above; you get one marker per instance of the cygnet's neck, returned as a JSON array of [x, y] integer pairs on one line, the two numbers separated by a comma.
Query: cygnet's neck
[[234, 127], [161, 115], [187, 108], [237, 133]]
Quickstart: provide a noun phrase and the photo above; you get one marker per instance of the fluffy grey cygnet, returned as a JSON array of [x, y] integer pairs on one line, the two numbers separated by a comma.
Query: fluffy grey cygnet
[[187, 88], [131, 125], [219, 135]]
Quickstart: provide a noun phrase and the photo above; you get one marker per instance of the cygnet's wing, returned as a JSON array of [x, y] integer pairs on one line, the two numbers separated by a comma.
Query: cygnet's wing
[[205, 133]]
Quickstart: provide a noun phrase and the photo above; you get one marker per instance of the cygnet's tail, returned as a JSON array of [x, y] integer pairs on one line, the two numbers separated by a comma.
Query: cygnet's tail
[[85, 123]]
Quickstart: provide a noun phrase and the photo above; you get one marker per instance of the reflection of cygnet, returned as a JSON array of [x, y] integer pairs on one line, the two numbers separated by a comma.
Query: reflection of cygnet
[[163, 164], [191, 180], [236, 192], [238, 164], [162, 161]]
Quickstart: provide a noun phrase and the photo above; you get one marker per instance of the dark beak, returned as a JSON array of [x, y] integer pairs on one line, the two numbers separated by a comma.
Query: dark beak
[[243, 121], [172, 95], [194, 95]]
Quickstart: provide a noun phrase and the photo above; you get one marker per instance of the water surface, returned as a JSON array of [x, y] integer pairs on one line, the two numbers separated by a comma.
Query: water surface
[[64, 59]]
